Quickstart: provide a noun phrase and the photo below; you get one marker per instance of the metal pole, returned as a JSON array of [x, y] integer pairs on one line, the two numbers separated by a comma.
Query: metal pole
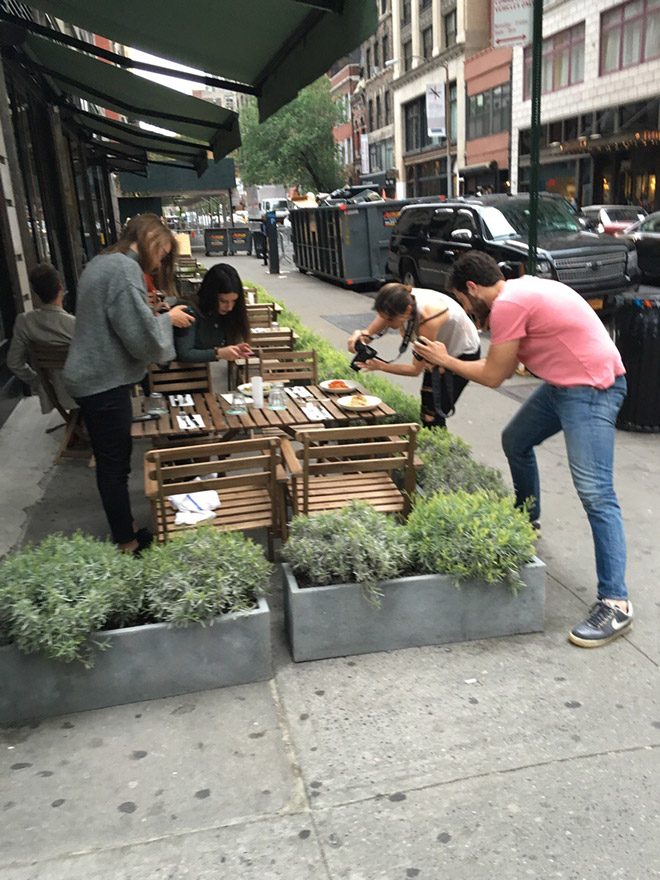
[[448, 132], [537, 51]]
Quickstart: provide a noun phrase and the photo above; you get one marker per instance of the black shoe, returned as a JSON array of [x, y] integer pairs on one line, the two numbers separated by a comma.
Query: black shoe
[[144, 538], [603, 624]]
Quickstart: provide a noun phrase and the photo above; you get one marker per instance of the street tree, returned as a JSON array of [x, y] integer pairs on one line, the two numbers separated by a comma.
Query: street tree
[[296, 145]]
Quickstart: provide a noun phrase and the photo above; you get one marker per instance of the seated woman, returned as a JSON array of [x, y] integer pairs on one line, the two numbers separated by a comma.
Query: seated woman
[[221, 330], [417, 312]]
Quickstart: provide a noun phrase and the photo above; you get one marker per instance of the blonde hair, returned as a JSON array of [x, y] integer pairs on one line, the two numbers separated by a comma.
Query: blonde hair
[[147, 231]]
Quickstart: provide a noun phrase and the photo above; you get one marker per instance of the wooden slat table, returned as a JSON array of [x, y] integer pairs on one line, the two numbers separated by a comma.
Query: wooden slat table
[[294, 417], [166, 428], [218, 422]]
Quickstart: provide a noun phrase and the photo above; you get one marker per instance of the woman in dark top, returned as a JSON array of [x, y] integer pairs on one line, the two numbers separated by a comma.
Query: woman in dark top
[[221, 330]]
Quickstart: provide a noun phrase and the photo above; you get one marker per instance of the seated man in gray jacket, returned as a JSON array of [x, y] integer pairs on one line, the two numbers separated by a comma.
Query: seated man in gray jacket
[[48, 325]]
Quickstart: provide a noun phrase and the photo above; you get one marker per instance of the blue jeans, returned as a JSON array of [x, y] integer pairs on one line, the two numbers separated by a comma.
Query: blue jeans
[[587, 417]]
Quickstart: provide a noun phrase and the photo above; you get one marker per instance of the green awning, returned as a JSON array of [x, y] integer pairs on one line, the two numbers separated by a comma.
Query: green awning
[[189, 152], [105, 85], [275, 46], [165, 181]]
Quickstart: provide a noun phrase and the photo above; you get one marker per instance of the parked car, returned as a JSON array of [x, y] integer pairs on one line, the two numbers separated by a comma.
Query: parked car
[[645, 235], [429, 236], [610, 218]]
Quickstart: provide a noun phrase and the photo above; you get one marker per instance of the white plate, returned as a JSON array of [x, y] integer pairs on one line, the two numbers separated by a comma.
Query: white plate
[[246, 388], [349, 386], [372, 403]]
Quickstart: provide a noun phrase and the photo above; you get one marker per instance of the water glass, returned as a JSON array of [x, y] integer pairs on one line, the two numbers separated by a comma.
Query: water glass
[[239, 404], [277, 396], [156, 404]]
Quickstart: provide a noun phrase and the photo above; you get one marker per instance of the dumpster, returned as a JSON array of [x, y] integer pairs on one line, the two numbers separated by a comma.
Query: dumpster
[[637, 335], [240, 240], [215, 241], [345, 243]]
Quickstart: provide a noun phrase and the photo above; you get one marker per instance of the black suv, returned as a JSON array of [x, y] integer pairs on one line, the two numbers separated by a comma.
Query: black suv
[[429, 236]]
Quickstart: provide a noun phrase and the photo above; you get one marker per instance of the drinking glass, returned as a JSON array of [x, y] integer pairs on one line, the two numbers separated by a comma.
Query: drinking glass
[[239, 404], [156, 404], [277, 396]]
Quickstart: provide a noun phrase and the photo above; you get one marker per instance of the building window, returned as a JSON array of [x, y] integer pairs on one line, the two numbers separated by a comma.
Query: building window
[[379, 112], [388, 108], [629, 35], [450, 28], [376, 60], [370, 115], [416, 127], [489, 112], [427, 42], [563, 61], [367, 63], [425, 4], [376, 156], [405, 12], [383, 7], [407, 55], [386, 48]]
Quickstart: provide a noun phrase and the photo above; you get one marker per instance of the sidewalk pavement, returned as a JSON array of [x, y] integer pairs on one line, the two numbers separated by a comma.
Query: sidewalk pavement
[[494, 760]]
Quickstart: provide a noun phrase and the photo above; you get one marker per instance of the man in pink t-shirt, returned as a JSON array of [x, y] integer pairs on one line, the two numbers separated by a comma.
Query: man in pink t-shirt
[[549, 328]]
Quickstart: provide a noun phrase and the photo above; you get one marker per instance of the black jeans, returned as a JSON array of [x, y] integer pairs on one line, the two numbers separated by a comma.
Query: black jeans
[[108, 418], [451, 388]]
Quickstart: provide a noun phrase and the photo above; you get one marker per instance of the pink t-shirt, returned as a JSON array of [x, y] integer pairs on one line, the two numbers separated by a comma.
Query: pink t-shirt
[[562, 340]]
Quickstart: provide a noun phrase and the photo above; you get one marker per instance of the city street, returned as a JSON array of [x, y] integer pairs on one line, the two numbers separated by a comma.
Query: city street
[[499, 759]]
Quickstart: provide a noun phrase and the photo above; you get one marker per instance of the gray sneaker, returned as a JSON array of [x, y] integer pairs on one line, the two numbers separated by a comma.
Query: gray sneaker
[[603, 624]]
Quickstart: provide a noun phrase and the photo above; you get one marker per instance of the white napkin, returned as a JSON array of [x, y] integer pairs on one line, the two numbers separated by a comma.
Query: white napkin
[[230, 398], [315, 412], [191, 422], [194, 507], [181, 400], [298, 391]]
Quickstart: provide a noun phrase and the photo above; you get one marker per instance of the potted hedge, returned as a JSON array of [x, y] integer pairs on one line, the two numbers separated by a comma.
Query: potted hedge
[[462, 567], [83, 626]]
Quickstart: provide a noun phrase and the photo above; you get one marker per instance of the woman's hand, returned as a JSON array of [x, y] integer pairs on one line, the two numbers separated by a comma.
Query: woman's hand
[[180, 317], [353, 338], [431, 352], [232, 352], [370, 366]]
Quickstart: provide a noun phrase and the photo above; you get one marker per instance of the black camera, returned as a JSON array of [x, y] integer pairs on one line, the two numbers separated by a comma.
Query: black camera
[[363, 353]]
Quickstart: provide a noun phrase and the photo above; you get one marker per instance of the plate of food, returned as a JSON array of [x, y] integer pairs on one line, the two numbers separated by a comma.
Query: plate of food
[[246, 388], [338, 386], [359, 402]]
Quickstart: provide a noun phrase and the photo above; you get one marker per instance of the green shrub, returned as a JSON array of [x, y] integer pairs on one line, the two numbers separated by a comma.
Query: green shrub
[[449, 466], [356, 544], [54, 596], [471, 535], [202, 573]]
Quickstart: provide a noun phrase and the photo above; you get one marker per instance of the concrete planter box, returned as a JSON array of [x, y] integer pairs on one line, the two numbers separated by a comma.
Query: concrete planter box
[[336, 620], [141, 663]]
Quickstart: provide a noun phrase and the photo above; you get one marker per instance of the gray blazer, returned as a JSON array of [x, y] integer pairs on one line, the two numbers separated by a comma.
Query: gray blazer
[[49, 325]]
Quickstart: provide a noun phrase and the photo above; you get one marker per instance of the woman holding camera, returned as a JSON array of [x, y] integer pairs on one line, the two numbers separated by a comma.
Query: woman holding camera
[[416, 312]]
